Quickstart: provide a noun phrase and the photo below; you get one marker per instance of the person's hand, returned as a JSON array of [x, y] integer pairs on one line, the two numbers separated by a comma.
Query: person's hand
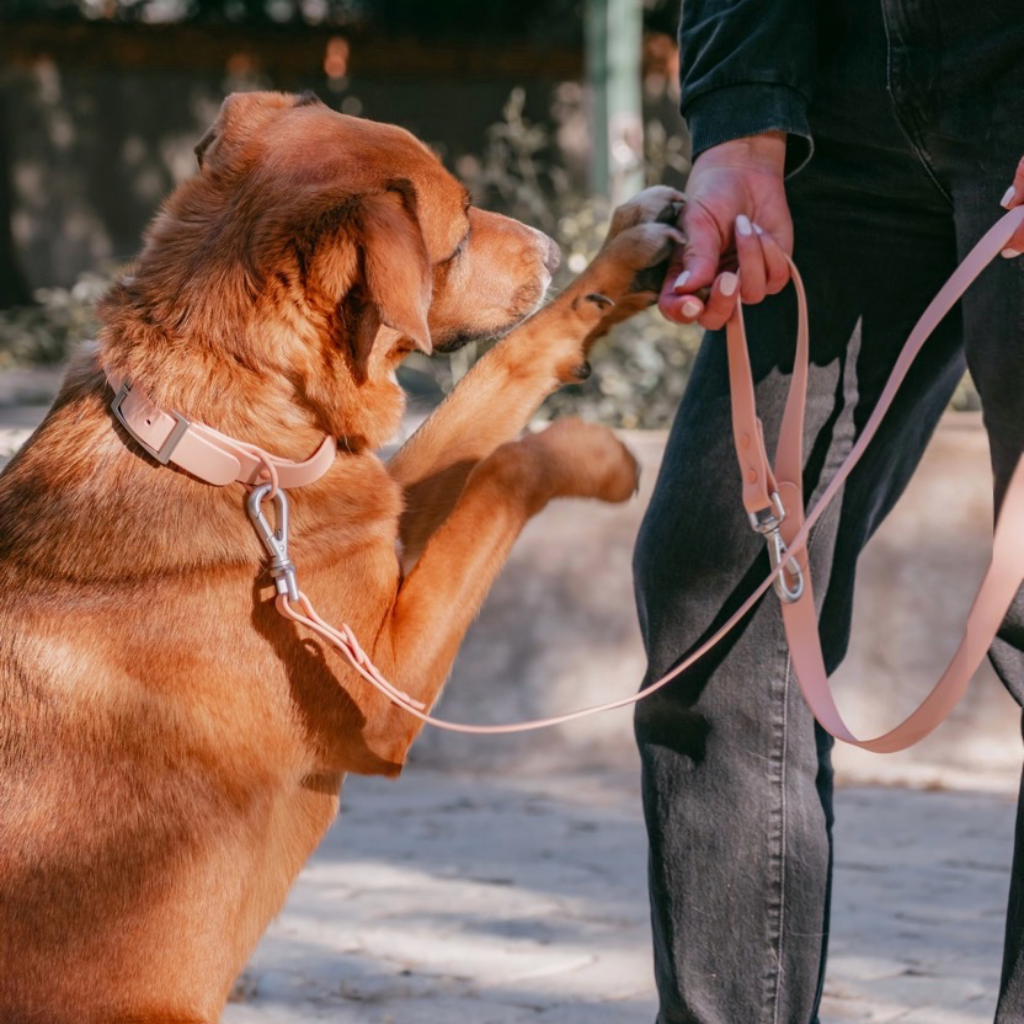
[[1015, 197], [735, 217]]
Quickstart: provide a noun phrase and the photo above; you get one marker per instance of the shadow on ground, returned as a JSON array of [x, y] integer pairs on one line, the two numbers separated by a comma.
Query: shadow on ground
[[445, 898]]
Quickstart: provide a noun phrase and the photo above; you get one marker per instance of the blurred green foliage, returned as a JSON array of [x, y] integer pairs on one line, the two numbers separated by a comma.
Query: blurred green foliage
[[46, 332], [410, 14]]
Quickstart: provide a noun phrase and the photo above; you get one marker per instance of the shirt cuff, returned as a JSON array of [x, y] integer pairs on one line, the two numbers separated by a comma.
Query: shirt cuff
[[737, 111]]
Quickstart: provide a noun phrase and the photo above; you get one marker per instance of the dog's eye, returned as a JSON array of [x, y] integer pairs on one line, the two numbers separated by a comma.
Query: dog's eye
[[459, 249]]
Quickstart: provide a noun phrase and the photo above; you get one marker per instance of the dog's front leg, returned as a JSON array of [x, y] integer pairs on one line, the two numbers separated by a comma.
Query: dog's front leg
[[495, 400], [443, 593]]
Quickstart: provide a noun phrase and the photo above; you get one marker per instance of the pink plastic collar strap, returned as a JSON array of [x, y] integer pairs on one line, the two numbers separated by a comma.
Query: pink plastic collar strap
[[206, 453]]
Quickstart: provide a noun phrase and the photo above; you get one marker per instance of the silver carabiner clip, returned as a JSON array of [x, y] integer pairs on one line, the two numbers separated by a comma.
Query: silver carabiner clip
[[777, 554], [767, 522], [282, 568]]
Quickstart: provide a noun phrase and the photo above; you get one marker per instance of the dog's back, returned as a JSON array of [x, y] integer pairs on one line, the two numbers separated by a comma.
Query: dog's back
[[134, 814]]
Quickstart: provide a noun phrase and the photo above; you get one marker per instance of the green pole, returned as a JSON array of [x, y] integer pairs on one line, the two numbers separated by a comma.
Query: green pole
[[614, 37]]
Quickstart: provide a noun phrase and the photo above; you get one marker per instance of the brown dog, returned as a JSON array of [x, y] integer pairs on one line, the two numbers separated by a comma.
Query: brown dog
[[171, 750]]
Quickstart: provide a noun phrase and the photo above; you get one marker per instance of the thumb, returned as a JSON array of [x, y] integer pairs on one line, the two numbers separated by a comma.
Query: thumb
[[692, 268], [695, 265], [701, 256]]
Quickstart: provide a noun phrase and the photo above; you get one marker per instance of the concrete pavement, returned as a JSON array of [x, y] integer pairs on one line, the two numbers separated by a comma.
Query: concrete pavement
[[444, 898]]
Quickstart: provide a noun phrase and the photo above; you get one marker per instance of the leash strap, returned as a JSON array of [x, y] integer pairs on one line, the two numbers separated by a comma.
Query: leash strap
[[1006, 568], [206, 453], [773, 500]]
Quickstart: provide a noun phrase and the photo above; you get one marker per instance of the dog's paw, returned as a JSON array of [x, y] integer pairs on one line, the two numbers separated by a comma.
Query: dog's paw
[[588, 461], [626, 274], [658, 204], [638, 249]]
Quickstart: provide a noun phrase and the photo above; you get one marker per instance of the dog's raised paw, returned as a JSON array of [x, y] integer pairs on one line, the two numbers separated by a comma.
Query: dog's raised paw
[[633, 265], [657, 204], [590, 460]]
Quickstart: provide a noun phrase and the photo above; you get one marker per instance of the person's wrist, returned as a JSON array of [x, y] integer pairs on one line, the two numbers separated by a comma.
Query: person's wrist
[[764, 152]]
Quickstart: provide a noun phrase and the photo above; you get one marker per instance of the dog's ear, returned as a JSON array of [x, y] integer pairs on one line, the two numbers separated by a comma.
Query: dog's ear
[[398, 276], [242, 114]]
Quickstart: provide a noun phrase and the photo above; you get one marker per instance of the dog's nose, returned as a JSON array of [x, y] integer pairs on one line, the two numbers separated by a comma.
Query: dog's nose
[[551, 254], [553, 258]]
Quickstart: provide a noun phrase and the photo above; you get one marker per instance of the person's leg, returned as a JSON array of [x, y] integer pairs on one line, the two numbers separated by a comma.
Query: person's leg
[[993, 314], [736, 776], [965, 109], [737, 782]]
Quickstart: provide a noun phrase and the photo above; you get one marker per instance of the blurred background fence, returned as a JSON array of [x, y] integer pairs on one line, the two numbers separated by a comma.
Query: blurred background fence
[[549, 110]]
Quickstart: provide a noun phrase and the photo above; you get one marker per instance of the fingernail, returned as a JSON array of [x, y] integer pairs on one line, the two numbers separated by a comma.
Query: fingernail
[[758, 230], [1010, 254], [691, 307], [1011, 194], [681, 281], [743, 224], [727, 284]]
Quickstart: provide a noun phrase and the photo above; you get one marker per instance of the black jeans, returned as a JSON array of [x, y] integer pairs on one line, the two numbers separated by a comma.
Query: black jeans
[[919, 123]]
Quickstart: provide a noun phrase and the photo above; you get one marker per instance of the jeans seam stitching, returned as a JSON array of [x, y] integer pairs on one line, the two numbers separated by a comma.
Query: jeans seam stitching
[[782, 841]]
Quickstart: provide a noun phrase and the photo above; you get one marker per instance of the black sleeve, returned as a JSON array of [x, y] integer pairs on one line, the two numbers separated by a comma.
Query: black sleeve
[[747, 66]]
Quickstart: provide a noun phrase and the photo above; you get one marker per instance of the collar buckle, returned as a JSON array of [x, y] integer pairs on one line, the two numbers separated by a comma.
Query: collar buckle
[[166, 450]]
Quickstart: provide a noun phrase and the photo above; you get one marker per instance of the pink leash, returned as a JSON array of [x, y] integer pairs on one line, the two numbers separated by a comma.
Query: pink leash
[[773, 499]]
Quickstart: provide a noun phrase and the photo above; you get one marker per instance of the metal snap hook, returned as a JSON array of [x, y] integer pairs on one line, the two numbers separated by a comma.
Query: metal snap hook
[[767, 522], [777, 554], [275, 540]]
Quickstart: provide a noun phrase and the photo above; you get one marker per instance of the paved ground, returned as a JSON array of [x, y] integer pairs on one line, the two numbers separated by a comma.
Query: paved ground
[[443, 899]]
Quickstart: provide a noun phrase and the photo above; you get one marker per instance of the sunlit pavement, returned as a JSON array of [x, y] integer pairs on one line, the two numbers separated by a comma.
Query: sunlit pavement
[[440, 899]]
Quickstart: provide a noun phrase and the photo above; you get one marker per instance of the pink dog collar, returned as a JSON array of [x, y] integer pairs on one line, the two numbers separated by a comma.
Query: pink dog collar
[[206, 453]]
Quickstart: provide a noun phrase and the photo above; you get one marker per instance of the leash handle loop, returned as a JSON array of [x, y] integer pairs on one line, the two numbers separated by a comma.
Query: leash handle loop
[[1006, 569]]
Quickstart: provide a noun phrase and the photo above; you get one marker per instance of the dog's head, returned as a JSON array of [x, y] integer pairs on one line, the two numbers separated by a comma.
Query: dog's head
[[324, 248]]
